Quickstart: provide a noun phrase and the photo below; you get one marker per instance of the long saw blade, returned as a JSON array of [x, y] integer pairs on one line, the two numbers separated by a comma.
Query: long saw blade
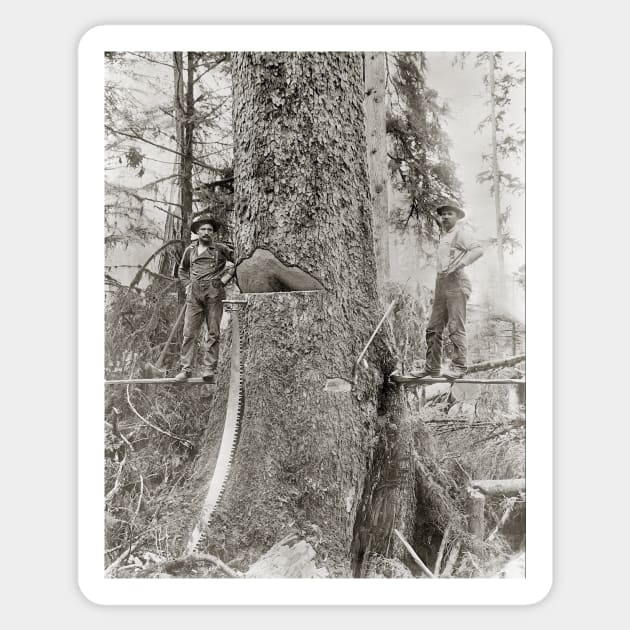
[[231, 431]]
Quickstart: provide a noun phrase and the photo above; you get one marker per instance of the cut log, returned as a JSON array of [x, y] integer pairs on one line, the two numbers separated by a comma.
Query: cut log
[[491, 365], [290, 558], [415, 380], [197, 380], [475, 505], [414, 555], [495, 487]]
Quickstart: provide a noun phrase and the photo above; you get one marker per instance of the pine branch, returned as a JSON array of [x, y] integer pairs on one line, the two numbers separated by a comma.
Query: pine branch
[[166, 245], [162, 63], [112, 208], [155, 144], [211, 67]]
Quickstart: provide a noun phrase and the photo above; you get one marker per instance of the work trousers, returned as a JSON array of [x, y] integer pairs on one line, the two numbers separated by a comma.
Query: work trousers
[[449, 310], [202, 303]]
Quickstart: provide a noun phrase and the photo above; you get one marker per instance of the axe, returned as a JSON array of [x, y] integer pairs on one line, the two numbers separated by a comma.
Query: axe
[[157, 371]]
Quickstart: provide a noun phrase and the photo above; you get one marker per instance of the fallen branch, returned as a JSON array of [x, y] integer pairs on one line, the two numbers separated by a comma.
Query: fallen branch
[[414, 555], [496, 434], [113, 491], [503, 519], [116, 431], [491, 365], [135, 516], [405, 379], [470, 558], [452, 559], [438, 561], [121, 557], [203, 557], [186, 443]]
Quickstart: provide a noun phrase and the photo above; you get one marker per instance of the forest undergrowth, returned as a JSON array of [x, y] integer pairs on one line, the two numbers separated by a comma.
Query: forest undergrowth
[[152, 443]]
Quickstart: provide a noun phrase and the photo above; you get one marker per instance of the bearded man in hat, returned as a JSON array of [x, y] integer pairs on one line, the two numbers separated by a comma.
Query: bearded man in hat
[[457, 249], [201, 268]]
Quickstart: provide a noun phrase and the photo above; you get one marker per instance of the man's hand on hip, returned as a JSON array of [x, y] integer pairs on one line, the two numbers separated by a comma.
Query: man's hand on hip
[[453, 268]]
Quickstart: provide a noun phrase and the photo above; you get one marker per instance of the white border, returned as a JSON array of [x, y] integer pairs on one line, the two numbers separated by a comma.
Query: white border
[[539, 315]]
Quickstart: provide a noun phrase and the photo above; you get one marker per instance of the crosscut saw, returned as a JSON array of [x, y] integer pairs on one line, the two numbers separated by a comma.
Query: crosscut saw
[[231, 429]]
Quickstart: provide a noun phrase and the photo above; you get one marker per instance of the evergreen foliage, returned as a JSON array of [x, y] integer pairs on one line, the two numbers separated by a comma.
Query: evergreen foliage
[[419, 159], [168, 134], [500, 80], [147, 467]]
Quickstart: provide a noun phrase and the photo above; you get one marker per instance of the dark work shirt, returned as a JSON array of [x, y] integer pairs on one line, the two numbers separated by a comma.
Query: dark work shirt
[[205, 266]]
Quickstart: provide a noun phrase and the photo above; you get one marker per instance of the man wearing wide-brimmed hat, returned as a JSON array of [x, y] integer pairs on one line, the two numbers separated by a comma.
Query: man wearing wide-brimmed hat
[[201, 268], [457, 249]]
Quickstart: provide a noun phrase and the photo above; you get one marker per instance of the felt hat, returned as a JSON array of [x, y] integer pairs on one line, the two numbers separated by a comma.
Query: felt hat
[[204, 217], [451, 206]]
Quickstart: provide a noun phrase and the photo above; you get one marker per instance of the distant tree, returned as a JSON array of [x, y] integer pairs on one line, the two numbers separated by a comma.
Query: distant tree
[[507, 142], [166, 120]]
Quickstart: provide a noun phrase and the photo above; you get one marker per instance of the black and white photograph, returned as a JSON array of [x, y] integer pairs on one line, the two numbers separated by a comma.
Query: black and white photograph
[[314, 321]]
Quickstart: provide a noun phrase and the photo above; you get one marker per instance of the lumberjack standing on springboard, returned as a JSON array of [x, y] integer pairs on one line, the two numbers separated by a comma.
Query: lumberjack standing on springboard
[[200, 269], [457, 249]]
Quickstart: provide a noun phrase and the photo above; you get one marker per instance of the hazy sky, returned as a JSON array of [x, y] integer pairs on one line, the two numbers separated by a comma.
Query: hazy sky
[[461, 88], [464, 91]]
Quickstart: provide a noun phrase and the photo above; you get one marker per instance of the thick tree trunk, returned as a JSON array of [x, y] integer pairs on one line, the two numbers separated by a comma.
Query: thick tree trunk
[[374, 63], [305, 455]]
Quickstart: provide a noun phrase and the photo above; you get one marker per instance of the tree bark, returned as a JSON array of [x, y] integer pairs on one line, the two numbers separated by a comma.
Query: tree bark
[[302, 193], [374, 63]]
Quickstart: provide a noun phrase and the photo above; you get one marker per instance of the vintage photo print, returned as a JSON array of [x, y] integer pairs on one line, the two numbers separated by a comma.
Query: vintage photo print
[[314, 262]]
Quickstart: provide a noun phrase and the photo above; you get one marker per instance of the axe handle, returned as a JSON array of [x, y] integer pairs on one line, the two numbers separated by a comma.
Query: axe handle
[[170, 338]]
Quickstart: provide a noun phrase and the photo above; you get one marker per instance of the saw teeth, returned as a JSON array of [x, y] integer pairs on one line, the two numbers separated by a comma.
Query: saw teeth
[[229, 443]]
